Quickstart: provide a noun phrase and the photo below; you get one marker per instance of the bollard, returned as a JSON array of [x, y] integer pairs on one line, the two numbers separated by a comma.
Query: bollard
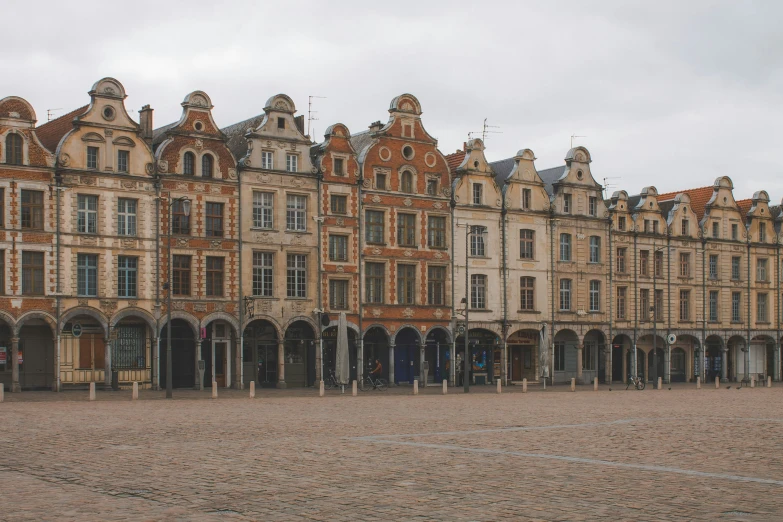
[[135, 393], [92, 391], [660, 383], [252, 389], [214, 389], [769, 384], [416, 387], [573, 384], [498, 386], [753, 381], [2, 392], [595, 384], [524, 385], [698, 383], [354, 389], [321, 389], [445, 387], [717, 382]]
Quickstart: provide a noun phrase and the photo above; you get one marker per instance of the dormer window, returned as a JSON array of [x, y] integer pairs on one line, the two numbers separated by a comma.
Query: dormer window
[[13, 149], [432, 187], [339, 167], [621, 223], [407, 130], [715, 230], [526, 197], [206, 166], [280, 123], [188, 164], [734, 231], [685, 227], [406, 184], [380, 181], [92, 158], [566, 203], [593, 206], [478, 194], [762, 232]]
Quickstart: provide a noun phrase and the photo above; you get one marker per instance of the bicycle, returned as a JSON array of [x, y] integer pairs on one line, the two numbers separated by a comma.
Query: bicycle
[[638, 382], [330, 383], [377, 384]]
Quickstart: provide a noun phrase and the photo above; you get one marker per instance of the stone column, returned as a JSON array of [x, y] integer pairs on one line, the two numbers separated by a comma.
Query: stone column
[[281, 364], [724, 364], [608, 365], [238, 381], [579, 352], [15, 387], [155, 370], [107, 361], [646, 366], [667, 364], [777, 361], [318, 361], [391, 364], [197, 385], [452, 365], [421, 365], [625, 366]]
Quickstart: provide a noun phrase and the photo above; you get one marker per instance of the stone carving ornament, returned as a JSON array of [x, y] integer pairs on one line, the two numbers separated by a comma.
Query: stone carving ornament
[[407, 202], [65, 159], [163, 166], [407, 313]]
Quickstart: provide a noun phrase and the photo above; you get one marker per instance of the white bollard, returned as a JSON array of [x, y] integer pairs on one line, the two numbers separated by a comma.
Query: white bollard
[[573, 384], [214, 389], [354, 389], [595, 383], [498, 386], [321, 389], [698, 383], [524, 385], [135, 393], [252, 389], [660, 383], [92, 391], [445, 387], [416, 387], [753, 381], [717, 382], [769, 382]]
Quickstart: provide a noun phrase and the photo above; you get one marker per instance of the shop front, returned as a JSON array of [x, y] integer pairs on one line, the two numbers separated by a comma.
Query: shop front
[[485, 354], [299, 355], [523, 346]]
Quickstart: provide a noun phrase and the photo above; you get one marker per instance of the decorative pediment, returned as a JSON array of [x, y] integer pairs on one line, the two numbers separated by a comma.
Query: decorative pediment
[[93, 137], [124, 141]]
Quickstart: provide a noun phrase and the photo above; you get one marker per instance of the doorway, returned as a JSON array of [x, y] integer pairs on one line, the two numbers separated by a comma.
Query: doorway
[[36, 357], [678, 365], [217, 364]]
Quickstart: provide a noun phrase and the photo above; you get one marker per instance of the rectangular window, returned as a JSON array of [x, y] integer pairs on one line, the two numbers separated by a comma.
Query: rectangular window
[[92, 157], [291, 162], [526, 244], [595, 296], [658, 260], [280, 122], [621, 223], [215, 266], [180, 223], [126, 217], [685, 227], [565, 247], [374, 226], [644, 304], [123, 161], [478, 193], [478, 235], [87, 214], [87, 275], [647, 226], [214, 219], [296, 212], [735, 268], [713, 306], [589, 356], [565, 295], [2, 272], [339, 204], [267, 162], [685, 305], [296, 283], [436, 231], [644, 262], [762, 232], [32, 273], [559, 357], [478, 291], [761, 270], [566, 203], [734, 231], [180, 275], [406, 284], [527, 293], [655, 227], [736, 302], [713, 263], [380, 181], [432, 187], [527, 195], [595, 249], [762, 311], [263, 209], [374, 282], [262, 274], [406, 230], [658, 305], [685, 265], [592, 205], [127, 276], [622, 254], [338, 294], [339, 167], [622, 294], [338, 248], [715, 229]]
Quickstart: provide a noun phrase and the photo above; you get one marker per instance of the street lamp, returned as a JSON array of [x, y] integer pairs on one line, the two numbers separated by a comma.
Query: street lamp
[[185, 210], [480, 233]]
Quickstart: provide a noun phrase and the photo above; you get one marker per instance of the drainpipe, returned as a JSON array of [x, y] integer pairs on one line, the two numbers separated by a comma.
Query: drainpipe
[[241, 332], [58, 188], [156, 357], [453, 355], [704, 292], [747, 343], [359, 182], [778, 313], [609, 299], [669, 287], [321, 307], [552, 290], [636, 295], [504, 268]]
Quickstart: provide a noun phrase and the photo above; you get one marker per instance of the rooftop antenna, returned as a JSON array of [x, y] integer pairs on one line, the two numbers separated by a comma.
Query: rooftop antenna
[[575, 136], [484, 131], [310, 111], [50, 114], [608, 185]]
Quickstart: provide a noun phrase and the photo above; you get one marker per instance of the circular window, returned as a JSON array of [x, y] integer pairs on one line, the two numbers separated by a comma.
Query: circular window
[[198, 126], [407, 152], [579, 174], [384, 153], [108, 113]]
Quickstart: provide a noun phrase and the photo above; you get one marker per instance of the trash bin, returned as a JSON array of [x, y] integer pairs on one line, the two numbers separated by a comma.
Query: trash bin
[[115, 380]]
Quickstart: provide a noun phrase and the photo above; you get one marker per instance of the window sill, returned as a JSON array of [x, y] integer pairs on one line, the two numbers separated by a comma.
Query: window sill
[[264, 229], [367, 243], [527, 259], [298, 231], [479, 311], [297, 298], [432, 247], [763, 322], [528, 311], [414, 247], [264, 297]]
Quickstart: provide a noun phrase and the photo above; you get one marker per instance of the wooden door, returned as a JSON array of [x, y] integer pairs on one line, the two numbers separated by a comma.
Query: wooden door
[[516, 363], [220, 364]]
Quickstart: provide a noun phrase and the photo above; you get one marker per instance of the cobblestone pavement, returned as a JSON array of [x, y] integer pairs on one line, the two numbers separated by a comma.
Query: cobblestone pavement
[[680, 454]]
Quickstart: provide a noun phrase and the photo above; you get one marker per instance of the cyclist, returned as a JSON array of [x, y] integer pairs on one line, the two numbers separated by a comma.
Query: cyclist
[[376, 373]]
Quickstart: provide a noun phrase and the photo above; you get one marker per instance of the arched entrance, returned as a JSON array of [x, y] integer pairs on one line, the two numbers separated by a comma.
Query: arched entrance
[[407, 344], [83, 347], [566, 343], [656, 364], [376, 346], [593, 358], [762, 358], [437, 355], [183, 355], [218, 353], [678, 365], [132, 349], [329, 336], [6, 370], [260, 358], [714, 363], [640, 363], [523, 346], [621, 348], [482, 347], [299, 355], [36, 352]]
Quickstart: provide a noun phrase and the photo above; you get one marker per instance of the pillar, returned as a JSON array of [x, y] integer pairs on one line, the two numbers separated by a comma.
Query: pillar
[[777, 361], [624, 376], [646, 366], [15, 387], [238, 380], [608, 364], [421, 364], [107, 365], [318, 361], [724, 364], [391, 364], [360, 359], [667, 364], [452, 365], [155, 363], [280, 364], [579, 352], [197, 351]]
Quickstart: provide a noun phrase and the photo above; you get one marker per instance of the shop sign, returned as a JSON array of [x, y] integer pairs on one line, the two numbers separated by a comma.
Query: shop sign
[[3, 355], [76, 329]]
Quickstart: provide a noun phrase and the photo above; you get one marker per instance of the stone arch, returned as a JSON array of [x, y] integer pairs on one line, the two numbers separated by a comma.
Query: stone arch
[[177, 314], [280, 102], [381, 327], [198, 99], [403, 327], [221, 316], [18, 106], [133, 312], [51, 321], [304, 318], [405, 103], [350, 325], [441, 328], [108, 87], [88, 311], [8, 319], [25, 145], [267, 318]]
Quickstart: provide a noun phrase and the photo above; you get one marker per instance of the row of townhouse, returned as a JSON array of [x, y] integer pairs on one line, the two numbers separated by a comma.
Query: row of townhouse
[[259, 238]]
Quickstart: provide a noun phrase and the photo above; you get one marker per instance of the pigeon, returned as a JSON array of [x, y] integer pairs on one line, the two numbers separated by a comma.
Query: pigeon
[[728, 387], [610, 389], [669, 389]]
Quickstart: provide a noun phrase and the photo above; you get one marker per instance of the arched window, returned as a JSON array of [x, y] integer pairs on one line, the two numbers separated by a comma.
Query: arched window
[[206, 166], [406, 185], [190, 161], [13, 149]]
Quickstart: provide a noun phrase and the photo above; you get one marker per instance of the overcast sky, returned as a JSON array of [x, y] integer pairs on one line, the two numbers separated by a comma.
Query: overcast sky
[[672, 94]]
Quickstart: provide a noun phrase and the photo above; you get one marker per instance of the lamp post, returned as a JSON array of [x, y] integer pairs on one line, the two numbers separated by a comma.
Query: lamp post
[[185, 210], [479, 232], [654, 308]]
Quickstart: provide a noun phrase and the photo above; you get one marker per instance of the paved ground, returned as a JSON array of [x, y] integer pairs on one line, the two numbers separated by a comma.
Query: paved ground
[[680, 454]]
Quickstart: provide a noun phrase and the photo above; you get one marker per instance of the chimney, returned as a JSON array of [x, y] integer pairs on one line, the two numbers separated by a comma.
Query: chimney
[[464, 146], [376, 126], [145, 121]]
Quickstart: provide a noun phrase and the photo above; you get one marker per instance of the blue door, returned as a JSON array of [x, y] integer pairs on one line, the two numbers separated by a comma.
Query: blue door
[[402, 364]]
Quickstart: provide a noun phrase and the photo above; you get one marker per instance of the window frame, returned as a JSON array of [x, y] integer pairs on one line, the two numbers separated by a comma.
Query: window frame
[[127, 219], [375, 276], [86, 275], [527, 245], [296, 276], [565, 287], [86, 217], [213, 223], [93, 158], [594, 244], [123, 161], [622, 303], [338, 203], [296, 212], [180, 223], [263, 210], [338, 248], [406, 229], [436, 285], [594, 290], [215, 280], [127, 277], [436, 231], [338, 294], [291, 162], [478, 292], [189, 164], [406, 284], [14, 152], [263, 277], [181, 272], [373, 227], [527, 294], [565, 247]]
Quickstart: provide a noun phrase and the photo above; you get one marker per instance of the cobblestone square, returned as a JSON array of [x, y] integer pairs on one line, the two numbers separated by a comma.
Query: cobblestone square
[[680, 454]]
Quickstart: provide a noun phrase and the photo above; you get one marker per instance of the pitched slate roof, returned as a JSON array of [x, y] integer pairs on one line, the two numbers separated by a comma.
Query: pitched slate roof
[[699, 198], [159, 134], [360, 140], [549, 176], [236, 135], [51, 132]]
